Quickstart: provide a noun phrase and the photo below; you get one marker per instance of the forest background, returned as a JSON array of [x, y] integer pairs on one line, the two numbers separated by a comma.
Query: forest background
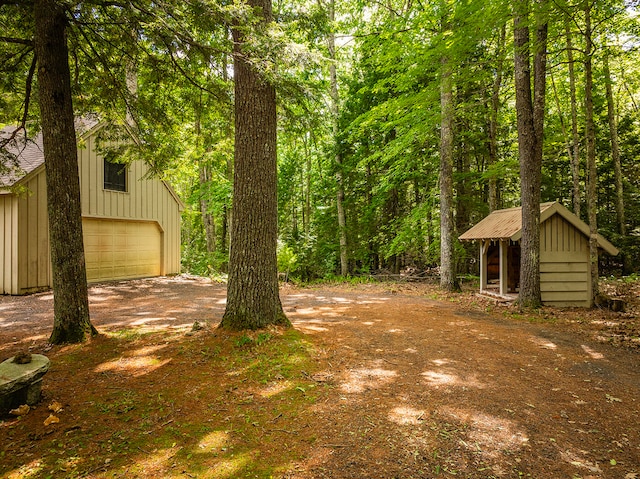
[[359, 119]]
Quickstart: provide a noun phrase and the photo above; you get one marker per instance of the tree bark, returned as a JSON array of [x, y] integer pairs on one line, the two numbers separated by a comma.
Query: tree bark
[[71, 323], [493, 118], [615, 147], [575, 149], [335, 110], [448, 276], [253, 300], [530, 121], [590, 130]]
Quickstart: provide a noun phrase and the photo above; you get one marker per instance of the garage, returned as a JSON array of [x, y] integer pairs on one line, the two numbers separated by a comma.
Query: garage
[[119, 249]]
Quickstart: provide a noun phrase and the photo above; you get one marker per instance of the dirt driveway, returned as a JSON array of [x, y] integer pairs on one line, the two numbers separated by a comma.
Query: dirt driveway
[[413, 387]]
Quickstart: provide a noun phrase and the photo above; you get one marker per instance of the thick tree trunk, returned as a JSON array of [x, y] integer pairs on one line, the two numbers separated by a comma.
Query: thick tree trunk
[[615, 147], [530, 116], [592, 179], [253, 301], [575, 149], [448, 276], [70, 300]]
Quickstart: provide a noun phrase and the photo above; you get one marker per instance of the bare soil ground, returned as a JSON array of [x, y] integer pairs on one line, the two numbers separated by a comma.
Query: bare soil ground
[[376, 380]]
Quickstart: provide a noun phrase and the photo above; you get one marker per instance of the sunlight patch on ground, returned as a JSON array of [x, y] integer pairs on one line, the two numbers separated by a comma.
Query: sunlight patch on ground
[[543, 343], [276, 388], [436, 379], [373, 300], [395, 331], [153, 464], [593, 354], [46, 297], [226, 468], [135, 366], [406, 416], [145, 321], [360, 380], [148, 350], [213, 441], [490, 435], [442, 362], [576, 458], [411, 350], [33, 469]]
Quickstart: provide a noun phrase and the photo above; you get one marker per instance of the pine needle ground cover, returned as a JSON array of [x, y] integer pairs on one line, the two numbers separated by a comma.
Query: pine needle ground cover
[[375, 380]]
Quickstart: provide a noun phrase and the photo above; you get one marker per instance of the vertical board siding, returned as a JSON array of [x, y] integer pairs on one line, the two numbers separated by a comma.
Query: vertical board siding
[[564, 256], [33, 266], [146, 199], [24, 247], [9, 245]]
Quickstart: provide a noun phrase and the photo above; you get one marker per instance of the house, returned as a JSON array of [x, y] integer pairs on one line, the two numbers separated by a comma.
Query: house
[[131, 223], [565, 277]]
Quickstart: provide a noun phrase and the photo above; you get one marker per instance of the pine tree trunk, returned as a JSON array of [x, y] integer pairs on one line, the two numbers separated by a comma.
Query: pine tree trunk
[[253, 300], [335, 110], [70, 298], [493, 119], [575, 150], [592, 179], [615, 147], [448, 276], [530, 116]]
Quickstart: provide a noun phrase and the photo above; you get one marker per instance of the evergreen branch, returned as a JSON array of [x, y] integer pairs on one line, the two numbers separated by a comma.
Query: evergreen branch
[[27, 91], [19, 41]]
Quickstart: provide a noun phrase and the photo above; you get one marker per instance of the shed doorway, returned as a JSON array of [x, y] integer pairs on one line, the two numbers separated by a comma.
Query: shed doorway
[[498, 277]]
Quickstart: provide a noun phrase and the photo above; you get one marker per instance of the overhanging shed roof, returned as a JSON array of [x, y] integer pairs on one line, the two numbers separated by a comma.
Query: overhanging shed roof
[[507, 224]]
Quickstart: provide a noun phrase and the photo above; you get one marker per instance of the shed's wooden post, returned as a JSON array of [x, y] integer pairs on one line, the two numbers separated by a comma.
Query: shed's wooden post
[[504, 245], [484, 248]]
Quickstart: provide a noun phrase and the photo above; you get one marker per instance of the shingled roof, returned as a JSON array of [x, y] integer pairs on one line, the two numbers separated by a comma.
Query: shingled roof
[[507, 225], [23, 155]]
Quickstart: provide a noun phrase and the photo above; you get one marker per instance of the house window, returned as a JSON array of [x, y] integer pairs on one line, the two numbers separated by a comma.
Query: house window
[[115, 176]]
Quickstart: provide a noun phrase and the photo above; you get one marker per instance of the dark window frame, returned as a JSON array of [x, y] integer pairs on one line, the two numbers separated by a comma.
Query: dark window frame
[[115, 176]]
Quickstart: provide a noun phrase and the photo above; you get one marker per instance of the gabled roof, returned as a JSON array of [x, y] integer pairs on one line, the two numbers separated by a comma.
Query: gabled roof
[[24, 156], [28, 153], [507, 225]]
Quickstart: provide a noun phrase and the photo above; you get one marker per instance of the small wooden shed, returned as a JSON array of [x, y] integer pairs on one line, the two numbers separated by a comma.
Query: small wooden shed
[[565, 277], [131, 223]]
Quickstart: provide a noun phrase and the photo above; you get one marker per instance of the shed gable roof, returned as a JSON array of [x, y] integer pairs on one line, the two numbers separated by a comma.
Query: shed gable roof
[[507, 224]]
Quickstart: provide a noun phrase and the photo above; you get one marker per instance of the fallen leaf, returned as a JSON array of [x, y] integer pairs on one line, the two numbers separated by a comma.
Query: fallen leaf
[[21, 410], [613, 462], [51, 420], [612, 399], [55, 406]]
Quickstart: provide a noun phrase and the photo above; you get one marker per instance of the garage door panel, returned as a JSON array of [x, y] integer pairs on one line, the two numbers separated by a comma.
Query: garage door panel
[[121, 249]]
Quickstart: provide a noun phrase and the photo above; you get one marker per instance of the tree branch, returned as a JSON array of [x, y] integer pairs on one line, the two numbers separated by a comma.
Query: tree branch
[[19, 41]]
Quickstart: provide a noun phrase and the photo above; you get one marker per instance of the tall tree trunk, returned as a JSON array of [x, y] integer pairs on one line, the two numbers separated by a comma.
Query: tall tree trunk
[[207, 218], [71, 323], [335, 110], [253, 301], [204, 178], [493, 118], [575, 150], [530, 120], [615, 147], [590, 129], [448, 276]]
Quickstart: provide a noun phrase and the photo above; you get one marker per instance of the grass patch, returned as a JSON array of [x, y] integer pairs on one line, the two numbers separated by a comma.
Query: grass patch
[[209, 405]]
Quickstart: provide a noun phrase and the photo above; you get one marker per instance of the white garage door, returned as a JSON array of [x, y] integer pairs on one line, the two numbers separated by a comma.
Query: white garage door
[[121, 249]]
